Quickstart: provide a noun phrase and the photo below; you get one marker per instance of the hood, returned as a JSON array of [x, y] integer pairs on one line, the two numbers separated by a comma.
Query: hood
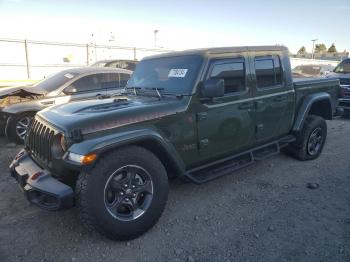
[[344, 78], [21, 91], [91, 116]]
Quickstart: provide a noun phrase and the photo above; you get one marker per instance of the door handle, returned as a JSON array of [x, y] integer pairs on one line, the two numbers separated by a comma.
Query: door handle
[[245, 106]]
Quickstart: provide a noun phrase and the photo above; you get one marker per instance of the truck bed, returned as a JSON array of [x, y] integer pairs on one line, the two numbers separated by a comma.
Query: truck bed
[[306, 86]]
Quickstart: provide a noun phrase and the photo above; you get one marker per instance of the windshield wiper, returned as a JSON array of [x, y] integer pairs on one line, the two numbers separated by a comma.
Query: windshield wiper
[[157, 89], [133, 88]]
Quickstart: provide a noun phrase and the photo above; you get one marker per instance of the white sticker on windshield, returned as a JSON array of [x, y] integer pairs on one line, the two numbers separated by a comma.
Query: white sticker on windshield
[[70, 76], [177, 73]]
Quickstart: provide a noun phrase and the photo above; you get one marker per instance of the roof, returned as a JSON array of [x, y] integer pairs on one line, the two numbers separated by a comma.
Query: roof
[[115, 60], [84, 70], [219, 50]]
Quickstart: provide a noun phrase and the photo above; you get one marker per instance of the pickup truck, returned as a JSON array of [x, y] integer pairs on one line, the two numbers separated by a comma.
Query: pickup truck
[[196, 115], [342, 72]]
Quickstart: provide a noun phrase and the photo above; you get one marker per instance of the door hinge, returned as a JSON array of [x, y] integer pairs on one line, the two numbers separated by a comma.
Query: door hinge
[[202, 116], [259, 127], [204, 142]]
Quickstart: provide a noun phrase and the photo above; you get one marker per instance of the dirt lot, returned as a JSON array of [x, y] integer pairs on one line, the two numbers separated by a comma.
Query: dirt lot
[[262, 213]]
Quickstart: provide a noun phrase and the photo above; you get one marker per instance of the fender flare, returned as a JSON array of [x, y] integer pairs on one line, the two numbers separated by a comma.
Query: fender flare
[[106, 143], [306, 105]]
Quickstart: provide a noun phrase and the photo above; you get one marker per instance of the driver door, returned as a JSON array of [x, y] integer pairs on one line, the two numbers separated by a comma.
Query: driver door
[[226, 124]]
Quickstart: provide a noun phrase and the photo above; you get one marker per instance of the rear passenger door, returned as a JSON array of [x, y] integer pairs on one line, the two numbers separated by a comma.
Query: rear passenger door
[[274, 100], [226, 124]]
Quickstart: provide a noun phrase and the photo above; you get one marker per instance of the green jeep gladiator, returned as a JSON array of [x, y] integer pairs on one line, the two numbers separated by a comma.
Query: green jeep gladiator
[[196, 114]]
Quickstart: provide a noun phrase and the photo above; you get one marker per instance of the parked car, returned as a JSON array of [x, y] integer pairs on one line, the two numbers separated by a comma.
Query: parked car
[[316, 70], [19, 104], [342, 72], [124, 64], [196, 114]]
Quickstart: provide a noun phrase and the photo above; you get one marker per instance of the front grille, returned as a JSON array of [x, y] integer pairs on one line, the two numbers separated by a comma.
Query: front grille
[[39, 141], [346, 92], [344, 81]]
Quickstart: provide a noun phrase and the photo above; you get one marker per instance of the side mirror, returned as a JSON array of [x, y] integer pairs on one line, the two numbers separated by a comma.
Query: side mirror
[[213, 87]]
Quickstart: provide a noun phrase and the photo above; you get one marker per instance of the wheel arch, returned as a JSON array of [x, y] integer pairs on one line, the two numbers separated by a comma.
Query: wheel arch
[[149, 140], [14, 116], [316, 104]]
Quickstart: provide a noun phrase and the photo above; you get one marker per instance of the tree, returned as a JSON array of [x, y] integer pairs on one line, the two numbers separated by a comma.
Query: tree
[[332, 49], [302, 51], [320, 48]]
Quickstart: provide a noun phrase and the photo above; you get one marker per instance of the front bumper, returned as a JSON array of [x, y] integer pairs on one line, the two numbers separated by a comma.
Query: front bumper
[[39, 187], [345, 103]]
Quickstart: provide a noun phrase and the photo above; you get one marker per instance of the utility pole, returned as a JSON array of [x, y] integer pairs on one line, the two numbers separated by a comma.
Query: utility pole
[[155, 37], [313, 48]]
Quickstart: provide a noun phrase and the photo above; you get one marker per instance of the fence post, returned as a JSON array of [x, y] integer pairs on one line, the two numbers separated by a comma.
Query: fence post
[[135, 54], [27, 58], [87, 54]]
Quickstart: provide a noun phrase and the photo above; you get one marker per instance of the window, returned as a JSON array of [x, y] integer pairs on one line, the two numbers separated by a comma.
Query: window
[[86, 83], [110, 80], [268, 71], [124, 79], [232, 71], [343, 67]]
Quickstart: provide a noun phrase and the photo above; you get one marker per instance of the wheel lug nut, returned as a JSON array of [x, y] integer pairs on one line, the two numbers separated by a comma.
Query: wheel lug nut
[[121, 193], [134, 195], [133, 186], [125, 185], [127, 199]]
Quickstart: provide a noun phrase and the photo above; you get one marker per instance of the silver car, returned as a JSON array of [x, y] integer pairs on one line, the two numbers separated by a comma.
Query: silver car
[[18, 105]]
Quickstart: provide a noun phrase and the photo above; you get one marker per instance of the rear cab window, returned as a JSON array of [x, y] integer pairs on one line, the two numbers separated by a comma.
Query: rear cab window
[[268, 71]]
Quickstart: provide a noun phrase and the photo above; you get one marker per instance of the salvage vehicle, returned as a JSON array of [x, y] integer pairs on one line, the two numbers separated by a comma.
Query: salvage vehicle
[[316, 70], [117, 63], [342, 72], [196, 115], [18, 105]]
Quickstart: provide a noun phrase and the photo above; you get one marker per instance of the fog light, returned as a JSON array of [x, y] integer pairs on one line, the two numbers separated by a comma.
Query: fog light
[[37, 175], [82, 159]]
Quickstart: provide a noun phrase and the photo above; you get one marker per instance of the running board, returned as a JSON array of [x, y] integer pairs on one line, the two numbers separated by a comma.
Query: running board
[[227, 165]]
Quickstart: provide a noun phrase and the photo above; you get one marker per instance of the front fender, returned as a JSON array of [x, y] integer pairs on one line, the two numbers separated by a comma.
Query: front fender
[[306, 105], [22, 108], [105, 143]]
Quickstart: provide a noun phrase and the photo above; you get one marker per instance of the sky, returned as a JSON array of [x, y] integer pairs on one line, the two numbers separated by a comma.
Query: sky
[[180, 24]]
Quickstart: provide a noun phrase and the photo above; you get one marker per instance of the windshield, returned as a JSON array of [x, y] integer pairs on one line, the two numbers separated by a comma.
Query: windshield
[[174, 75], [53, 82], [343, 67]]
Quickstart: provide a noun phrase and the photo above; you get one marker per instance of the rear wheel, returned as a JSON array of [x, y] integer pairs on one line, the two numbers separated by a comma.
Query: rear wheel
[[18, 125], [310, 140], [124, 195]]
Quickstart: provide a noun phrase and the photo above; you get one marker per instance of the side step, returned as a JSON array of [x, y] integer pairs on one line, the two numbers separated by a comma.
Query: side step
[[227, 165]]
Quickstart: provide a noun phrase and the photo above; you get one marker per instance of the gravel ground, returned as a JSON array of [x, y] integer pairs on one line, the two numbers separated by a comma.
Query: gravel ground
[[265, 212]]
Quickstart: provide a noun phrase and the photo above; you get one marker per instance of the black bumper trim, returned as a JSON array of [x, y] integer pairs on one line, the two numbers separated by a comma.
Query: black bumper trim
[[39, 187]]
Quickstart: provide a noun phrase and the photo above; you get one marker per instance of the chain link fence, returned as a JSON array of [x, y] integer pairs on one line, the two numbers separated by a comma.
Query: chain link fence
[[30, 59]]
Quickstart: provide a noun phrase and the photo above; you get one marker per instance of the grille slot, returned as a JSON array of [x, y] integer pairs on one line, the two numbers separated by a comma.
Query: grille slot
[[39, 141]]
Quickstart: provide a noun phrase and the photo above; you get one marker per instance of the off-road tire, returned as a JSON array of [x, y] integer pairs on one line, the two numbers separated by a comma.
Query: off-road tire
[[11, 126], [299, 148], [90, 187]]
